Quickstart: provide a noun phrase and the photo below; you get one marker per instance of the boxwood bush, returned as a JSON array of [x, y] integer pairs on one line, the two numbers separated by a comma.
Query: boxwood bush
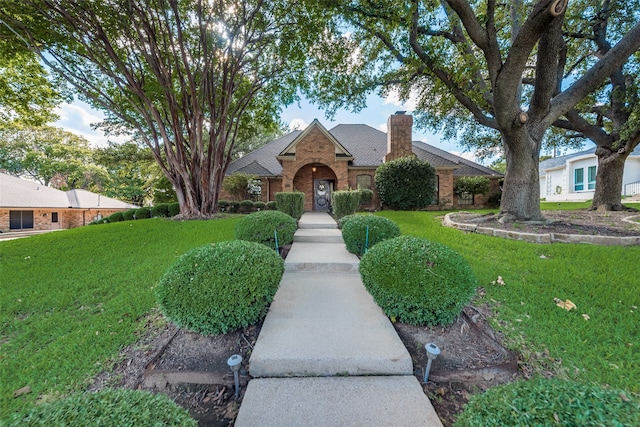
[[291, 203], [259, 205], [407, 183], [160, 210], [272, 206], [354, 232], [260, 226], [342, 221], [246, 206], [417, 281], [345, 202], [546, 402], [129, 215], [221, 287], [116, 217], [108, 407], [143, 213], [174, 209]]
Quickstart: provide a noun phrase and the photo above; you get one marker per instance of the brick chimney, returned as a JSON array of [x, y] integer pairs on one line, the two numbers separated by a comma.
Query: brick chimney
[[399, 136]]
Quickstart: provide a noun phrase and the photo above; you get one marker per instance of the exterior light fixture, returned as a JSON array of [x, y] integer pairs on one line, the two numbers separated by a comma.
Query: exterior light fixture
[[234, 363], [313, 169], [432, 352]]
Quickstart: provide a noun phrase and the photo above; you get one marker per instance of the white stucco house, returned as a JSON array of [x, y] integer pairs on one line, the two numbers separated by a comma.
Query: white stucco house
[[573, 176]]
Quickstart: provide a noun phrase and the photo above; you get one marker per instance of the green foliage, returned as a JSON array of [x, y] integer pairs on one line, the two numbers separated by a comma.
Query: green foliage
[[260, 226], [354, 231], [129, 215], [344, 219], [407, 183], [116, 217], [291, 203], [259, 205], [223, 205], [271, 205], [600, 350], [417, 281], [471, 185], [237, 184], [108, 407], [545, 402], [62, 326], [221, 287], [234, 207], [366, 196], [174, 209], [143, 212], [160, 210], [345, 202], [246, 206]]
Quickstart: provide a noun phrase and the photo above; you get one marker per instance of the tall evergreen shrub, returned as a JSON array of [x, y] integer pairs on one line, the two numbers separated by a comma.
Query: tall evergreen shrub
[[345, 202], [291, 203], [407, 183]]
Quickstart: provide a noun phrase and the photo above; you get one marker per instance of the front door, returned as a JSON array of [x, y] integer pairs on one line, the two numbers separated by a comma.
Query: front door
[[321, 195]]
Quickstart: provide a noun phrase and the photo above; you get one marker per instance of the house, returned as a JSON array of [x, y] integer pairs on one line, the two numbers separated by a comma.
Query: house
[[317, 161], [25, 205], [573, 176]]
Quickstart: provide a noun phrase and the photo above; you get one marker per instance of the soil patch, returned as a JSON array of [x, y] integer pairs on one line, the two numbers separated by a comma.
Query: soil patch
[[581, 221]]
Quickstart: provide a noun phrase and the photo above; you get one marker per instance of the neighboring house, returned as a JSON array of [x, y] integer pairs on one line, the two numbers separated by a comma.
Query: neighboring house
[[573, 176], [317, 161], [26, 205]]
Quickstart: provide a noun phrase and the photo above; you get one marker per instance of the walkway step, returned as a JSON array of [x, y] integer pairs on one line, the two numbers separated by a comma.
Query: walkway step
[[317, 220], [321, 258], [343, 401], [315, 235], [326, 324]]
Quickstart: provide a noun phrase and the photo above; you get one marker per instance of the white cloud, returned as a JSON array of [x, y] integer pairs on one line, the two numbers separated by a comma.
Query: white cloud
[[297, 124], [465, 155], [393, 97], [383, 127], [78, 118], [73, 112]]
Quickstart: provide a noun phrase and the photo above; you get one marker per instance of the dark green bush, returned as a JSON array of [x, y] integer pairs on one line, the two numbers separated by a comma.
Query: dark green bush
[[417, 281], [342, 221], [174, 209], [129, 215], [407, 183], [547, 402], [223, 205], [471, 185], [259, 205], [160, 210], [291, 203], [234, 207], [354, 232], [143, 213], [221, 287], [115, 217], [494, 199], [246, 206], [260, 226], [366, 196], [272, 206], [108, 407], [345, 202]]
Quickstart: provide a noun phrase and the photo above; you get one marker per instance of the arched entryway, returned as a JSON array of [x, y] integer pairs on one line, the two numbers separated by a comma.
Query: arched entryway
[[316, 181]]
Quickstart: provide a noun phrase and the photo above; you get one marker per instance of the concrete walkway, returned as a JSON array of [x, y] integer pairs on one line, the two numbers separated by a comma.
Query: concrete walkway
[[327, 355]]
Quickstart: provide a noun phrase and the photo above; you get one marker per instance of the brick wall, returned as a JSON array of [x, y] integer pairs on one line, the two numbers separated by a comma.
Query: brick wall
[[399, 136], [67, 218]]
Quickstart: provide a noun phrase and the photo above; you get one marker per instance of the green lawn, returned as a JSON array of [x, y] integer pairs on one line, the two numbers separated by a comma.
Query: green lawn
[[72, 299], [601, 281]]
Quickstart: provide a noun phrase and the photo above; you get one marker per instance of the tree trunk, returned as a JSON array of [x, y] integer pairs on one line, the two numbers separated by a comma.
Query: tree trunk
[[521, 190], [608, 191]]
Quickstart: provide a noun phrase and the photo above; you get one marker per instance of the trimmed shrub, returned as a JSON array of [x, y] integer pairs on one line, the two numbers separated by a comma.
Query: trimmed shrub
[[417, 281], [223, 205], [246, 206], [472, 185], [115, 217], [108, 407], [174, 209], [407, 183], [233, 207], [143, 213], [345, 202], [354, 232], [260, 226], [366, 196], [546, 402], [272, 206], [259, 205], [129, 215], [342, 221], [291, 203], [221, 287], [160, 210]]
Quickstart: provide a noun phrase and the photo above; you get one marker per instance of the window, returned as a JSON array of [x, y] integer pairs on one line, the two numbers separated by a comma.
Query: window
[[578, 179], [436, 193], [54, 216], [465, 199], [363, 182], [19, 220], [591, 176]]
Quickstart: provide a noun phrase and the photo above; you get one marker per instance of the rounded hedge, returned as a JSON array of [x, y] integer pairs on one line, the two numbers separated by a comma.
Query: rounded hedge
[[160, 210], [108, 407], [354, 232], [407, 183], [143, 213], [260, 227], [220, 287], [129, 215], [271, 205], [174, 209], [542, 402], [259, 205], [417, 281], [116, 217]]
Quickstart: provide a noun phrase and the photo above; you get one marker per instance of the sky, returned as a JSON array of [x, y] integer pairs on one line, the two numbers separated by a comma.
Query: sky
[[78, 117]]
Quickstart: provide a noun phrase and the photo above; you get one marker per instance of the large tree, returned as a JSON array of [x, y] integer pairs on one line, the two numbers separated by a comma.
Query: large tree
[[184, 76], [468, 60]]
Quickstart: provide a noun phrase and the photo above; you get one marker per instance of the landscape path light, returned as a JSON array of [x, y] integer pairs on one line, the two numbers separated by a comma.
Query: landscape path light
[[234, 363], [432, 352]]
